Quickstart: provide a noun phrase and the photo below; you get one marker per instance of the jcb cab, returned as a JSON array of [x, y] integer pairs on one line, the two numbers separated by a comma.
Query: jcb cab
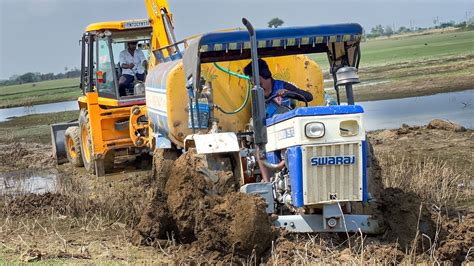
[[103, 130]]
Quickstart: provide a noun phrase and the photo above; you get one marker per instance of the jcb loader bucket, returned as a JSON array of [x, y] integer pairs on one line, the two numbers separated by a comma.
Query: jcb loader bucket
[[57, 140]]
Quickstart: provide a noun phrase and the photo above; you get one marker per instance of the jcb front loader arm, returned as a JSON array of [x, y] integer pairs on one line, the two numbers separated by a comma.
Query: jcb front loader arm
[[161, 20]]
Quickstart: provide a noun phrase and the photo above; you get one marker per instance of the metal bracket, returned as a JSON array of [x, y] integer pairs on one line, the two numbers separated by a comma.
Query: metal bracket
[[214, 143], [312, 223], [57, 140]]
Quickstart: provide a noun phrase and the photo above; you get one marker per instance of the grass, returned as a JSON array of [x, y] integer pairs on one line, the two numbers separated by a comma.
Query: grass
[[39, 92], [34, 128], [407, 67], [410, 48], [397, 51], [432, 179]]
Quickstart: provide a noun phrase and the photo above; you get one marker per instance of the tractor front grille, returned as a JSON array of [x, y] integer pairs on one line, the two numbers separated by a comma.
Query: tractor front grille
[[332, 173]]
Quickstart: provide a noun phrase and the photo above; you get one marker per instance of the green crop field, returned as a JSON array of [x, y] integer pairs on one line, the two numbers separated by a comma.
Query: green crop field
[[39, 92], [449, 53], [411, 48]]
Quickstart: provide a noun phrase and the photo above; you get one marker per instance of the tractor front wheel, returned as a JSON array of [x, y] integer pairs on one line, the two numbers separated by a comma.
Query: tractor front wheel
[[72, 139]]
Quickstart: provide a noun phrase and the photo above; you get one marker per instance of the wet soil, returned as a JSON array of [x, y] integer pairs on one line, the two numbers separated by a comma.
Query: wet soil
[[187, 214], [205, 211]]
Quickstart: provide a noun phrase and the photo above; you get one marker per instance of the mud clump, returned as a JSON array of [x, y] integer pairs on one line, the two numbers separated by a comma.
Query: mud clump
[[459, 241], [34, 204], [201, 206], [407, 217], [25, 155], [155, 222], [445, 125]]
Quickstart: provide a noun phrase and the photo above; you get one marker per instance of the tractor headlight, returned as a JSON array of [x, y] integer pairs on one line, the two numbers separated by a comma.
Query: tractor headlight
[[314, 130]]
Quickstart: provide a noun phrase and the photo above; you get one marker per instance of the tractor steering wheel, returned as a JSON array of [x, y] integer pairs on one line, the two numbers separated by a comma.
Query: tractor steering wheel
[[288, 94]]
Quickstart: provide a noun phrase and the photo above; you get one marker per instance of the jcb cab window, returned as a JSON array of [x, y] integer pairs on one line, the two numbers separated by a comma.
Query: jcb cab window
[[105, 76]]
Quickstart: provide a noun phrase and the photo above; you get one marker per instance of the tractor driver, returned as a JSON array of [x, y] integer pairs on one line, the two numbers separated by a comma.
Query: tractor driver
[[275, 90], [133, 64]]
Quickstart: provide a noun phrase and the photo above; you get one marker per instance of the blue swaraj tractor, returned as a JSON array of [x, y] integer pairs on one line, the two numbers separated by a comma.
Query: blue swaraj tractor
[[317, 154]]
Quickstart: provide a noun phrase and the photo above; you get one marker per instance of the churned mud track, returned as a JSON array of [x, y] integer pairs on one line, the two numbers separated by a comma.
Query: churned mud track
[[205, 212], [179, 212]]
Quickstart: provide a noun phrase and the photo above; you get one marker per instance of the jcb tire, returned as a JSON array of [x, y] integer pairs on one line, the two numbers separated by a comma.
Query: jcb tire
[[72, 141], [86, 146], [86, 142]]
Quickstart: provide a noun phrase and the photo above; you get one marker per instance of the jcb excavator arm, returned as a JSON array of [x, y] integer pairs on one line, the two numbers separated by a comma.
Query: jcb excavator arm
[[162, 23]]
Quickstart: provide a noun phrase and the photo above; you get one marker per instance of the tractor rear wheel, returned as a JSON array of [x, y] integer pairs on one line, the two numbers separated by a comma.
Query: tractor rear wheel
[[72, 140]]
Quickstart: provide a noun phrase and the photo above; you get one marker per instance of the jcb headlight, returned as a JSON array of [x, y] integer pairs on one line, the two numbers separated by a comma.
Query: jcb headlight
[[314, 130]]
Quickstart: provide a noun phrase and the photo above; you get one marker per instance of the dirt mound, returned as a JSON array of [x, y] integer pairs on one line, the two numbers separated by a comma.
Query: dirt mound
[[25, 155], [445, 125], [34, 204], [155, 222], [459, 241], [407, 218], [201, 206]]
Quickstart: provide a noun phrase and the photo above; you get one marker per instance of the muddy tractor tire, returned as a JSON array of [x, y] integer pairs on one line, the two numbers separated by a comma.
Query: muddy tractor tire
[[163, 161], [72, 141], [87, 149], [375, 188], [374, 173]]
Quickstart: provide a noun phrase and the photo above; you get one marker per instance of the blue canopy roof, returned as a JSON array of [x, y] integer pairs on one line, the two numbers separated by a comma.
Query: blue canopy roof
[[281, 37]]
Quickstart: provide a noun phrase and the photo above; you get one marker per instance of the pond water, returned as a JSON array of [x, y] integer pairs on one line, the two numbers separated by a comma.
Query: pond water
[[27, 181], [456, 107], [7, 113], [453, 106]]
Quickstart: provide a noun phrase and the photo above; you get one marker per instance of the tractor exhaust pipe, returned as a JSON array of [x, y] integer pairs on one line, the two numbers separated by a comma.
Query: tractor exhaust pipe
[[258, 103], [258, 98]]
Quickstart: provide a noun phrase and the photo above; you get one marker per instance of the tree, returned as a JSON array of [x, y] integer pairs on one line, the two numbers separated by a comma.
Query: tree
[[27, 78], [377, 31], [388, 31], [275, 23], [403, 29]]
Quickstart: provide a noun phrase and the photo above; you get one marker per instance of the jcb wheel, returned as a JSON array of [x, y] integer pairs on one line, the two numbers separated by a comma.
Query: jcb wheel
[[86, 142], [86, 146], [72, 140]]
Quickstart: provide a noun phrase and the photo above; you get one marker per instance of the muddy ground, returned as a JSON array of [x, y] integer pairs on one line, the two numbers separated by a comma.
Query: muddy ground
[[113, 219]]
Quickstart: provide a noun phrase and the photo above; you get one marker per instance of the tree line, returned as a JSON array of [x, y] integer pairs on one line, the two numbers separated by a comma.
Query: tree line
[[388, 31], [31, 77]]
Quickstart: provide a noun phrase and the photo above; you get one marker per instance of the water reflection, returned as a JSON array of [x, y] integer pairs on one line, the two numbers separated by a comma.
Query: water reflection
[[456, 107], [38, 109], [453, 106], [27, 181]]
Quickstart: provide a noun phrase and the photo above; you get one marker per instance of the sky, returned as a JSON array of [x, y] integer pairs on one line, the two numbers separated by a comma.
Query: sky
[[43, 35]]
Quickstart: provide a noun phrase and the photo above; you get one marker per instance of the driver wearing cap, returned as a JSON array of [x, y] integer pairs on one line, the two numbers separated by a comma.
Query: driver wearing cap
[[277, 91], [133, 64]]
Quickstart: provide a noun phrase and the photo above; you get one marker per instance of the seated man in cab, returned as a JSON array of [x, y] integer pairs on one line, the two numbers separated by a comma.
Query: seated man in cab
[[133, 64], [277, 99], [277, 91]]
